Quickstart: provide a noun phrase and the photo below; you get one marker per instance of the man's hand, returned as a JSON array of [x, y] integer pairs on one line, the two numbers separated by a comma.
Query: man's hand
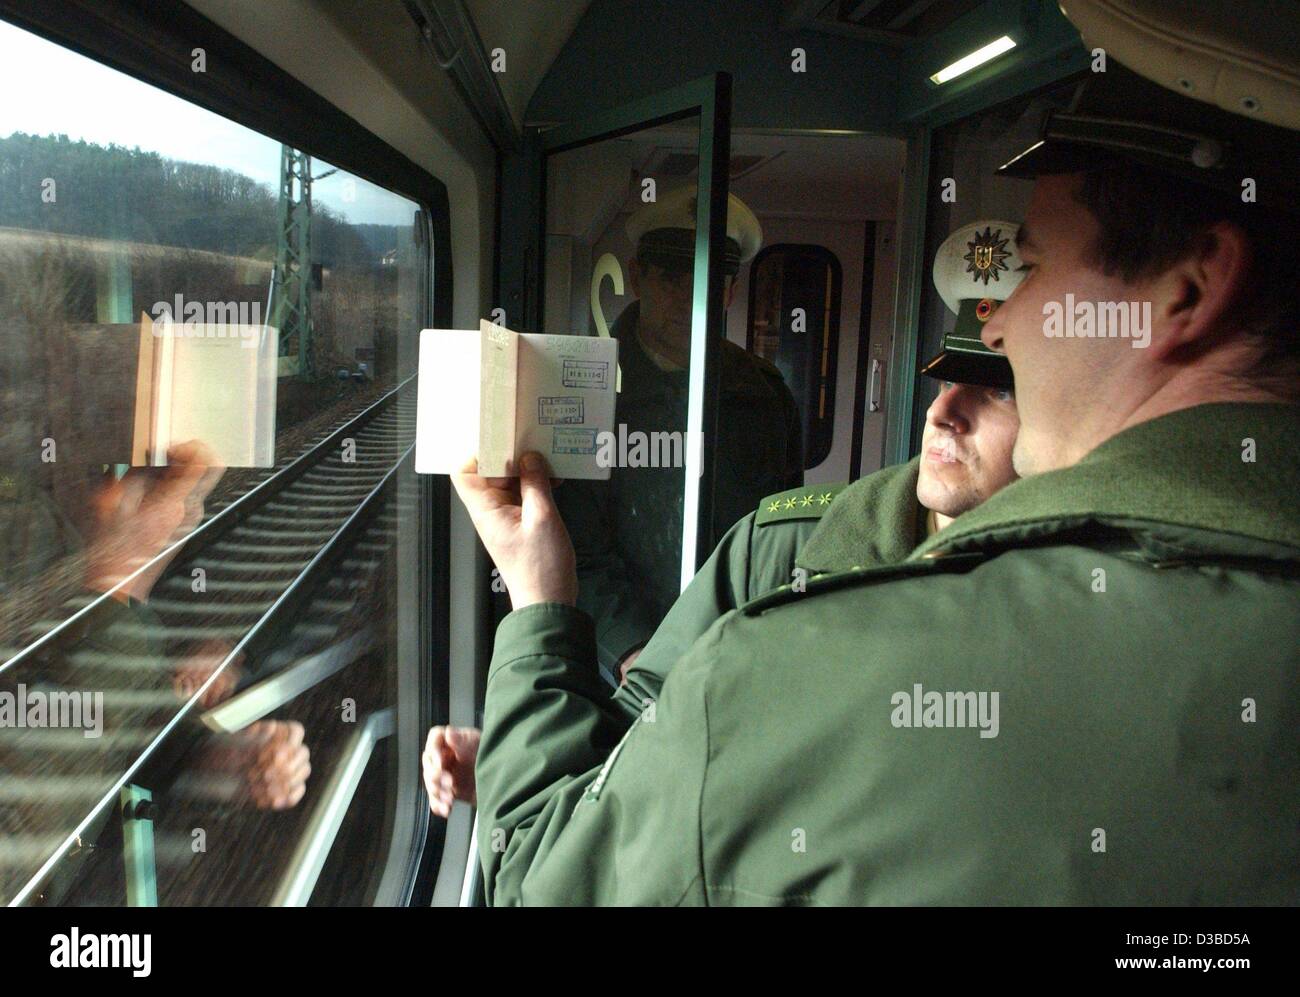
[[197, 667], [522, 530], [138, 517], [276, 776], [266, 765], [448, 761]]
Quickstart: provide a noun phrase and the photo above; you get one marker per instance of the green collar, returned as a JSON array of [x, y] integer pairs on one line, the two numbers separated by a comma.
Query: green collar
[[876, 520], [1224, 473]]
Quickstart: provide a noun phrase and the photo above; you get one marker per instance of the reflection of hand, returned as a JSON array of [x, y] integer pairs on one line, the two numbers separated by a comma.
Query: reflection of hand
[[522, 530], [280, 763], [140, 515], [190, 674], [448, 762], [266, 764]]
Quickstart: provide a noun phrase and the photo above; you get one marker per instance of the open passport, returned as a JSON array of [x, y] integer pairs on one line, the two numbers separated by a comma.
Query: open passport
[[497, 394], [162, 383]]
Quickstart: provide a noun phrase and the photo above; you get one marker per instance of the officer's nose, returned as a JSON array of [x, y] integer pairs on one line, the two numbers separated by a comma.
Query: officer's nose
[[951, 409], [991, 331]]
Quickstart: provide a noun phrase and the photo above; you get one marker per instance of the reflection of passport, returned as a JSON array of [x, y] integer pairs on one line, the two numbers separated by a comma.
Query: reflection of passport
[[95, 379], [498, 394], [153, 386]]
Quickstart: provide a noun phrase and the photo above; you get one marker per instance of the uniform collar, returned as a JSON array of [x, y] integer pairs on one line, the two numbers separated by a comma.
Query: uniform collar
[[1182, 473], [876, 520]]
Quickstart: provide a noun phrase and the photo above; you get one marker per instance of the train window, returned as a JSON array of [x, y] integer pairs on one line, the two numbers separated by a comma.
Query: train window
[[968, 153], [794, 321], [199, 664]]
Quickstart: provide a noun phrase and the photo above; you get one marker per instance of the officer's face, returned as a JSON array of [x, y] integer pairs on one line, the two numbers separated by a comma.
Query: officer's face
[[1068, 389], [966, 447], [667, 300]]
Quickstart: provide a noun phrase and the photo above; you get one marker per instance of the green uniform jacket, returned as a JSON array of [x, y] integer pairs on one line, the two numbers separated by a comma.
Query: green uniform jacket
[[1136, 615], [627, 531], [818, 528]]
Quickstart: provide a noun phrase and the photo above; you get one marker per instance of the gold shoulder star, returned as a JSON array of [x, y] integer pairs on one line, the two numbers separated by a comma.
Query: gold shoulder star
[[825, 499], [775, 506], [806, 501], [789, 503]]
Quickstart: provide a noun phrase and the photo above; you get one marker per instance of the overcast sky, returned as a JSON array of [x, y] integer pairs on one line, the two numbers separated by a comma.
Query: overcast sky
[[52, 91]]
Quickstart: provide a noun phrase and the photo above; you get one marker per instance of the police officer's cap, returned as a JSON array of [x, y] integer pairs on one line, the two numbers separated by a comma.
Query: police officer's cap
[[664, 231], [1213, 96], [975, 269]]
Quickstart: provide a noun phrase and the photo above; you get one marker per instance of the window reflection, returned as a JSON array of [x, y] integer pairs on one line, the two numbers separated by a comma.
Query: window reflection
[[628, 206], [221, 596]]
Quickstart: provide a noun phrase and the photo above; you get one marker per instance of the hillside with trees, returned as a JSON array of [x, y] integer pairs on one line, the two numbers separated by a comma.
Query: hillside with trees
[[113, 192]]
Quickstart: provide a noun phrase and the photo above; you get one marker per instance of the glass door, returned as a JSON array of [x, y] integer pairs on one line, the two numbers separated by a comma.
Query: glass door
[[634, 244]]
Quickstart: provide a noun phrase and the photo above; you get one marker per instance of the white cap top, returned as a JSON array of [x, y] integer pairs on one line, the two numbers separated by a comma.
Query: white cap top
[[977, 261], [1241, 56], [676, 209]]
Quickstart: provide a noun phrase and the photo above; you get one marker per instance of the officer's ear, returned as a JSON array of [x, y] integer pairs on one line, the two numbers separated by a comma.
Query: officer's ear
[[1194, 300]]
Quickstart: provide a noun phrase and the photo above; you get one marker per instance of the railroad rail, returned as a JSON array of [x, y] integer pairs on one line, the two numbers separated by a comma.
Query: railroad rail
[[267, 597]]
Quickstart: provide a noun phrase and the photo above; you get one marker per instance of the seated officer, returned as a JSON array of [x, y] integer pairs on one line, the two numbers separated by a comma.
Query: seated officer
[[1131, 599], [965, 458], [627, 530], [798, 534]]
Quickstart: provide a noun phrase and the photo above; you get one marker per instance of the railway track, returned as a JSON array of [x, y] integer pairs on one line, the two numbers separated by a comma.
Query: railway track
[[269, 597]]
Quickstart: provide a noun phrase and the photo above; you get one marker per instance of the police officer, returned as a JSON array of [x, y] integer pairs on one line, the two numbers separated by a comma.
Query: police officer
[[627, 531], [797, 534], [1100, 708], [804, 532]]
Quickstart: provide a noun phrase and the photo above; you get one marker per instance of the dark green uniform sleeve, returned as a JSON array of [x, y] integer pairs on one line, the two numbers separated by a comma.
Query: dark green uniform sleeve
[[555, 825], [624, 620], [721, 584], [749, 561]]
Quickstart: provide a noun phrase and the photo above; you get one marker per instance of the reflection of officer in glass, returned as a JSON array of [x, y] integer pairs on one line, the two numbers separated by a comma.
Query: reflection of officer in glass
[[627, 531]]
